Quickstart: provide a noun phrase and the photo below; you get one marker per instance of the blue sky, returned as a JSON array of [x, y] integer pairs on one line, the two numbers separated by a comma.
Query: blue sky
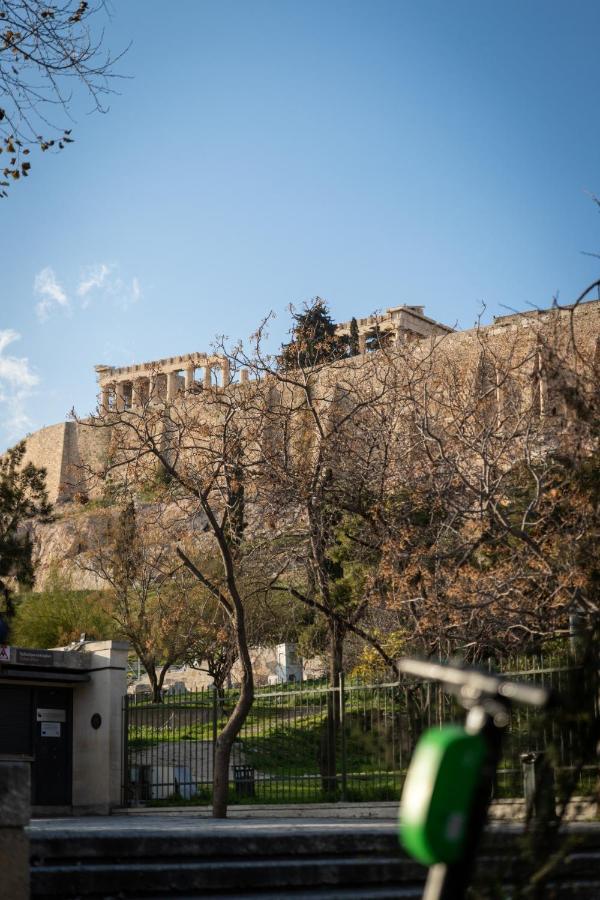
[[266, 151]]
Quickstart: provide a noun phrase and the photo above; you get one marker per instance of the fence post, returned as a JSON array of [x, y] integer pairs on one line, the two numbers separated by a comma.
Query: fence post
[[341, 688], [538, 786], [126, 799], [215, 711]]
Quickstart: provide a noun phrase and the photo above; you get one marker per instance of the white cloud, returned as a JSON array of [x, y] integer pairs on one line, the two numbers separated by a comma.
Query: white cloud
[[136, 290], [105, 279], [100, 280], [127, 293], [93, 278], [7, 336], [17, 382], [47, 287]]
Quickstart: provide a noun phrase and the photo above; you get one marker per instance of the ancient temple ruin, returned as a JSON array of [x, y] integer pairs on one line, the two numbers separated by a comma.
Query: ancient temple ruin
[[128, 387]]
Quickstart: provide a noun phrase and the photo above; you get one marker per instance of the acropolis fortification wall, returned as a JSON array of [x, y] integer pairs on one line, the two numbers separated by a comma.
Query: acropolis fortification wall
[[69, 450]]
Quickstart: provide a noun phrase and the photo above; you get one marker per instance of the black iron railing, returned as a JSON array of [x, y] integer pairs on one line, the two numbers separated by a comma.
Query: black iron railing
[[311, 742]]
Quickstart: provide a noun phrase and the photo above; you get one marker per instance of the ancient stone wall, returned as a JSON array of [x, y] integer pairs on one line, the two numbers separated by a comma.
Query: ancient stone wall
[[70, 450], [67, 451], [46, 448]]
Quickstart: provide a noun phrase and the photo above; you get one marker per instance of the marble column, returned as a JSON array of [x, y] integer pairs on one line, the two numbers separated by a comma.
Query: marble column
[[105, 401], [244, 376], [120, 395], [224, 372], [207, 375], [362, 343], [399, 336], [189, 378], [172, 385], [137, 395]]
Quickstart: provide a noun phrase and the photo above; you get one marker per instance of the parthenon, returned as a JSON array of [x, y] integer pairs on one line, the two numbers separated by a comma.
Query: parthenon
[[128, 387]]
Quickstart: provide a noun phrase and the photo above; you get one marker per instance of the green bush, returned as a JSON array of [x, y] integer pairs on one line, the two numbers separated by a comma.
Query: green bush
[[59, 615]]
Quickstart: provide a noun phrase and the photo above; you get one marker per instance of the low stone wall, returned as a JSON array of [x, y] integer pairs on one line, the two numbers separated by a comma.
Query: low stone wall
[[15, 792]]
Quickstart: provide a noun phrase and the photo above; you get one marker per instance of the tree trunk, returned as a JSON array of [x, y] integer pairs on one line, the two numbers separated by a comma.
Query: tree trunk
[[219, 686], [155, 683], [328, 762], [161, 681], [236, 720]]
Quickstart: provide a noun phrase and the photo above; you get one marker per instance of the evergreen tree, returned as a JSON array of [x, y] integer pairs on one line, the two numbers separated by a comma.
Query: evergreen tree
[[354, 342], [377, 339], [314, 339], [23, 498]]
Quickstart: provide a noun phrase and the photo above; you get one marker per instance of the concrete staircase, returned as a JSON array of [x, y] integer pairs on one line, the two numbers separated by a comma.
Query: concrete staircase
[[273, 862], [257, 861]]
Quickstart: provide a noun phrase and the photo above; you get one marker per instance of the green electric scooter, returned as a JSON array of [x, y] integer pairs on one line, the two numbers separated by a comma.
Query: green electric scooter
[[449, 783]]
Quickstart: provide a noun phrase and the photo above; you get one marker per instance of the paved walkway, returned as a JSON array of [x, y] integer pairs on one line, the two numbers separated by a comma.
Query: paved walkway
[[198, 825], [191, 824]]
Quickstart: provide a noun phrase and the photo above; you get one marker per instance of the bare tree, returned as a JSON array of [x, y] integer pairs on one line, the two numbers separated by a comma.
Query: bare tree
[[328, 438], [147, 594], [202, 445], [214, 649], [47, 49], [484, 547]]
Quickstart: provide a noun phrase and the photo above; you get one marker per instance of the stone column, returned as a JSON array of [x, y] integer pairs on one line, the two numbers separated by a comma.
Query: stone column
[[362, 343], [105, 401], [224, 373], [207, 375], [189, 378], [243, 376], [120, 393], [136, 393], [152, 389], [15, 810], [172, 386]]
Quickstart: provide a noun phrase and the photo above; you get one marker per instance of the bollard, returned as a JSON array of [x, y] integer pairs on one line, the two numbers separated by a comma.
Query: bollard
[[538, 786], [15, 811]]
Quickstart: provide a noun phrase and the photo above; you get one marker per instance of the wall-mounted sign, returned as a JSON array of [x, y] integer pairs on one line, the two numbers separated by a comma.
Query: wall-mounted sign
[[34, 657], [51, 729], [51, 715], [4, 653]]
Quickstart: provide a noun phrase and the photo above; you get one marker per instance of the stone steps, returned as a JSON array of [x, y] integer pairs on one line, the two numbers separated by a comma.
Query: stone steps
[[306, 863], [187, 861]]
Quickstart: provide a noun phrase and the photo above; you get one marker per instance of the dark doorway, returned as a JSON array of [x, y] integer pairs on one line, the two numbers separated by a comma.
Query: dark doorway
[[16, 725], [36, 726], [52, 747]]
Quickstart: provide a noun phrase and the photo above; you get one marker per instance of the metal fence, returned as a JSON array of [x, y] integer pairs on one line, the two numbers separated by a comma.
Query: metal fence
[[311, 742]]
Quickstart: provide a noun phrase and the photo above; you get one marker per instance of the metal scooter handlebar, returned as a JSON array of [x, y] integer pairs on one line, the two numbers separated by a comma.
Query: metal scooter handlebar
[[485, 693], [472, 685]]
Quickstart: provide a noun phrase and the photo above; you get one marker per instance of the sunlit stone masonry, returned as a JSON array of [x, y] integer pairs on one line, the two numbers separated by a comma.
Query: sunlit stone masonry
[[68, 449], [128, 387]]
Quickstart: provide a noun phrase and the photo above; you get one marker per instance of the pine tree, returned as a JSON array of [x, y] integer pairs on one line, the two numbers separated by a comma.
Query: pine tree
[[314, 338], [354, 342], [23, 498]]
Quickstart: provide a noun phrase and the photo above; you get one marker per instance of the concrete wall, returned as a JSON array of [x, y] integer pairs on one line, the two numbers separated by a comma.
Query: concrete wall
[[97, 751], [15, 791]]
